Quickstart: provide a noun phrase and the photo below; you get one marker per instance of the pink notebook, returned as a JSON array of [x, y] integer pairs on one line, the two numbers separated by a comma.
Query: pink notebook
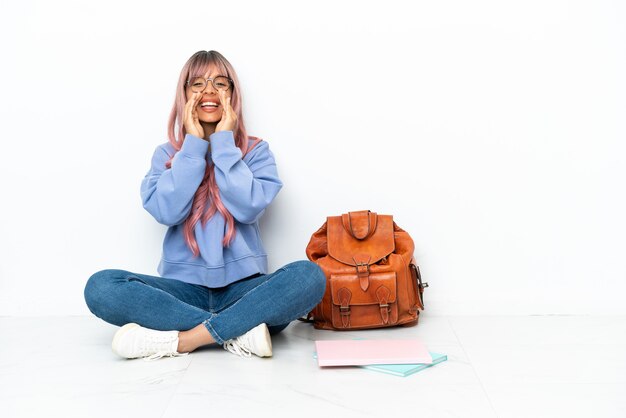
[[363, 352]]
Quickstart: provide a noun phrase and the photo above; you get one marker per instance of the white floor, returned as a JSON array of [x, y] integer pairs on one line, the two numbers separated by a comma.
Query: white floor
[[525, 366]]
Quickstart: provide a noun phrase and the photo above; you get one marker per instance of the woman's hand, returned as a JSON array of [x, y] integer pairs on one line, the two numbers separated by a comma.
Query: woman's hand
[[229, 118], [190, 116]]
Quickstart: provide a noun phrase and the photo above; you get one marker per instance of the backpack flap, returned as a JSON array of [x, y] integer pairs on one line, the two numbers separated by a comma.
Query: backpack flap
[[362, 233]]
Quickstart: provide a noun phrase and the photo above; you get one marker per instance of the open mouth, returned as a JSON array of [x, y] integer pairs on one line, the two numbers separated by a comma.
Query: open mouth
[[209, 107], [209, 104]]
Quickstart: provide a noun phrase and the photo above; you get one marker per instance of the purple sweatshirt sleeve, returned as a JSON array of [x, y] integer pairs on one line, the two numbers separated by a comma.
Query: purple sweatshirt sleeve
[[168, 193], [247, 186]]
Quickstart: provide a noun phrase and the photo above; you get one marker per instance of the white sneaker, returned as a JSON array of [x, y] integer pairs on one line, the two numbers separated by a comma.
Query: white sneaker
[[133, 341], [256, 341]]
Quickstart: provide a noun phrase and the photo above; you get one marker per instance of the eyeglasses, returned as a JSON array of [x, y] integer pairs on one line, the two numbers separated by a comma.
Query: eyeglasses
[[220, 82]]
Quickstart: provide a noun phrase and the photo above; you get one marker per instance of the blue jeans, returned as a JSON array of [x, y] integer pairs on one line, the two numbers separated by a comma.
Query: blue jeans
[[120, 297]]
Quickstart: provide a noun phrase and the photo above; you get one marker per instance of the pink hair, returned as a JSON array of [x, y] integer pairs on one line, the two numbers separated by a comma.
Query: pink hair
[[197, 66]]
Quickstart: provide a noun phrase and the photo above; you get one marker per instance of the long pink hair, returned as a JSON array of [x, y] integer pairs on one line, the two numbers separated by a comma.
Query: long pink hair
[[206, 200]]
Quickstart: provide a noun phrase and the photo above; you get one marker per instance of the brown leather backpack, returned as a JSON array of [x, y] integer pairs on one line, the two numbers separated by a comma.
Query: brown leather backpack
[[372, 279]]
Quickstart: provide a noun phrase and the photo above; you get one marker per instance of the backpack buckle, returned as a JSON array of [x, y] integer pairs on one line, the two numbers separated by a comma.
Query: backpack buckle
[[362, 269]]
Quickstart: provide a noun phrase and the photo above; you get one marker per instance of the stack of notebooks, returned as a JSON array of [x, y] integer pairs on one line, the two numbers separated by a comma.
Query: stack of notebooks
[[397, 357]]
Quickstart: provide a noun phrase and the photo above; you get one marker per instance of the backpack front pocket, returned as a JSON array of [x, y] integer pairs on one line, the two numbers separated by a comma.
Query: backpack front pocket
[[364, 302]]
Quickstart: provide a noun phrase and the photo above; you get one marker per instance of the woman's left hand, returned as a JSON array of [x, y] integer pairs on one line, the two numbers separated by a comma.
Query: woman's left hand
[[229, 118]]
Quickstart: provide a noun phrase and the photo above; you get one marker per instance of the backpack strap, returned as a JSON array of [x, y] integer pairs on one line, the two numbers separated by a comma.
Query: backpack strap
[[308, 319]]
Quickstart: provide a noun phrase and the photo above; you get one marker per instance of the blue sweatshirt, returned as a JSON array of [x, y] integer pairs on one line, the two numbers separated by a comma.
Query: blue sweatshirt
[[246, 186]]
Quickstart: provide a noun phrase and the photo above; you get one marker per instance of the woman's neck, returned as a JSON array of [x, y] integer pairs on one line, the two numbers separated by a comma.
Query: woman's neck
[[209, 129]]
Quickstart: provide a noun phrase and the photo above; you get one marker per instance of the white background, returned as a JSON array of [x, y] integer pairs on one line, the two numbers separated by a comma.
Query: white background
[[493, 132]]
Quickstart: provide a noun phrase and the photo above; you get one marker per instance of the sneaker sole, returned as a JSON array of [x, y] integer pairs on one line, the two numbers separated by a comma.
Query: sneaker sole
[[118, 335]]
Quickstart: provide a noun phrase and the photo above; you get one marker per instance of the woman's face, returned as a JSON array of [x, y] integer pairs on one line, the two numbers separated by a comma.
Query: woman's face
[[209, 113]]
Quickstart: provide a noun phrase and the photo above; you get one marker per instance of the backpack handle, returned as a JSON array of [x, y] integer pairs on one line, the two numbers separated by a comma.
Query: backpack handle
[[360, 224]]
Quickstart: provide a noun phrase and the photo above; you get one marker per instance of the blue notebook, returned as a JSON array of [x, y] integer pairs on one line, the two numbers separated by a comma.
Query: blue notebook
[[406, 369], [403, 369]]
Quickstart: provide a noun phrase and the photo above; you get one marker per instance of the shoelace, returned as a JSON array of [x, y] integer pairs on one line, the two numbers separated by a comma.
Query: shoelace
[[163, 345], [236, 347], [160, 354]]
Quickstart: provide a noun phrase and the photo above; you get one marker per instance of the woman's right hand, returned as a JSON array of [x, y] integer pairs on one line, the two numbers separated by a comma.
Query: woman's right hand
[[190, 116]]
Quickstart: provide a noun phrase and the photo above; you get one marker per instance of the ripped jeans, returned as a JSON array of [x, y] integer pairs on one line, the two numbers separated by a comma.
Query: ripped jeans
[[120, 297]]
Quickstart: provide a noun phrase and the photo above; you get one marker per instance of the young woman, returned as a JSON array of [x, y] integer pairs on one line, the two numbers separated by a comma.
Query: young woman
[[209, 184]]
